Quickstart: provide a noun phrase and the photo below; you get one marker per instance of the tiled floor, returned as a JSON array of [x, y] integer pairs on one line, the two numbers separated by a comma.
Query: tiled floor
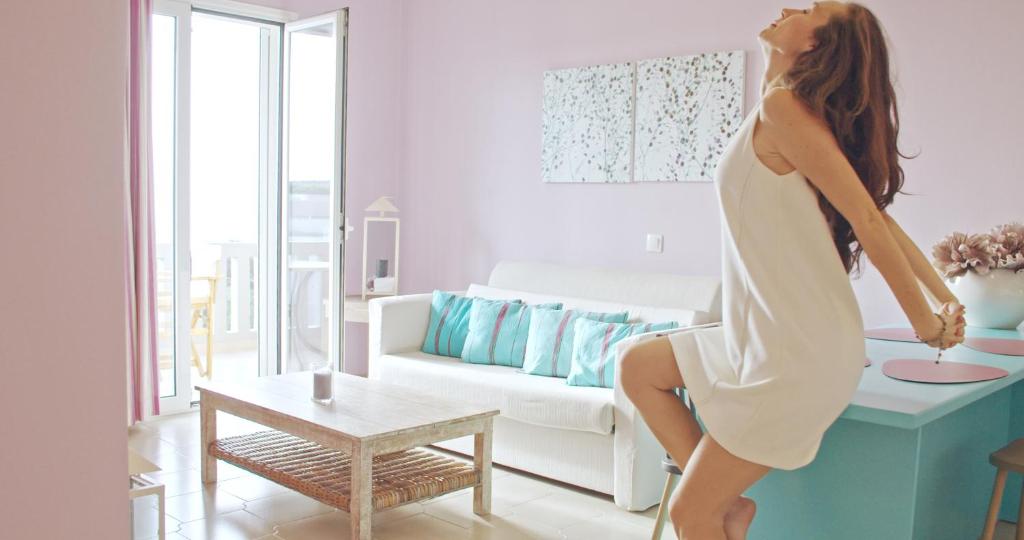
[[244, 506]]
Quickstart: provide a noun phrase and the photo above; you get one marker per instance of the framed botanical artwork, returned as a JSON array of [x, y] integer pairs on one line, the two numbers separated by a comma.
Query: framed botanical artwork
[[660, 120], [588, 124], [687, 109]]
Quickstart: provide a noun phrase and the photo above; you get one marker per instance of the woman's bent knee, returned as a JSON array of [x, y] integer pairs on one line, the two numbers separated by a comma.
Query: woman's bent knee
[[650, 363], [631, 371]]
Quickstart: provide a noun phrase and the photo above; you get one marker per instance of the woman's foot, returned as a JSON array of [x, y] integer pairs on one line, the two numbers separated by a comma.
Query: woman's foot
[[738, 518]]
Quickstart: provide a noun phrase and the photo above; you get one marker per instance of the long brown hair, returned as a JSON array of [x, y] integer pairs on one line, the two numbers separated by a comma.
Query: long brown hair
[[845, 80]]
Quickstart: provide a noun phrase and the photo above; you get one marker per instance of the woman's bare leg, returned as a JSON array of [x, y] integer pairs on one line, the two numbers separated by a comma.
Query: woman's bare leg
[[708, 491], [649, 376]]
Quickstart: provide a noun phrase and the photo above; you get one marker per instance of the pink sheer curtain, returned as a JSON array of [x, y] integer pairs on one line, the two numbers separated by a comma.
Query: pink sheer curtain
[[140, 285]]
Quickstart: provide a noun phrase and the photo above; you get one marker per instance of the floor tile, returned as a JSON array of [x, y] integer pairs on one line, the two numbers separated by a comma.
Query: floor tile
[[332, 526], [607, 528], [459, 510], [174, 461], [170, 536], [562, 509], [179, 482], [238, 525], [202, 504], [395, 514], [250, 487], [285, 507], [420, 527], [227, 471], [150, 446], [512, 527]]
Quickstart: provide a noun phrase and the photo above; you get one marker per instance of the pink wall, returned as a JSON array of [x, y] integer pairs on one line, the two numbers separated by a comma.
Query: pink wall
[[470, 175], [445, 108], [62, 342]]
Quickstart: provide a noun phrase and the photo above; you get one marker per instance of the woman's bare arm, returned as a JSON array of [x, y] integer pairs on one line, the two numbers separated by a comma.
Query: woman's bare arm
[[923, 270], [806, 142]]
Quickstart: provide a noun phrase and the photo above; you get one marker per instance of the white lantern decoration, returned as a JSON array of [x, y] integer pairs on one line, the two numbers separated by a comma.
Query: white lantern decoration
[[381, 285]]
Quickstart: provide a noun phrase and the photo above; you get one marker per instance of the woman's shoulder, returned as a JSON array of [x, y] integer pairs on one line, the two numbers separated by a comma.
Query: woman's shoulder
[[780, 104], [781, 111]]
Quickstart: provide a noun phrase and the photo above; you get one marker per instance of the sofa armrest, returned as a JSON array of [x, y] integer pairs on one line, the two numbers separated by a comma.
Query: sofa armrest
[[639, 478], [397, 324]]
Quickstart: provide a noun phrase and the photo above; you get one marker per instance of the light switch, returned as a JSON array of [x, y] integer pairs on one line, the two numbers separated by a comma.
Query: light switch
[[654, 243]]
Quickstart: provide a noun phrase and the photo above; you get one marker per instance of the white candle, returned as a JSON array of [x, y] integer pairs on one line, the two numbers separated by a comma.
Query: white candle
[[323, 384]]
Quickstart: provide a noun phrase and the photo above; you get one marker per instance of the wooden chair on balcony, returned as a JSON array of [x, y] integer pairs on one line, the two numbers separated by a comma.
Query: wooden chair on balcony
[[202, 315]]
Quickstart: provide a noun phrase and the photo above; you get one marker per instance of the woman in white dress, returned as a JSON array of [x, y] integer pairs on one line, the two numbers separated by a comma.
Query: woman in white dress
[[803, 186]]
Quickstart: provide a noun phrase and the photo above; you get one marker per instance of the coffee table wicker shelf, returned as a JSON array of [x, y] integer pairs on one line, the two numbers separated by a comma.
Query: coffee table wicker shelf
[[325, 474]]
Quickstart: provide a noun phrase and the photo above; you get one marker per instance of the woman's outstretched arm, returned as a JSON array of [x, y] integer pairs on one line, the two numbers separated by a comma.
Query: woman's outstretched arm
[[925, 272], [806, 142]]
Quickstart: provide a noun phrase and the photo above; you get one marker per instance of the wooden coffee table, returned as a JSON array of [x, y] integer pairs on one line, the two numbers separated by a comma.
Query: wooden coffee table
[[360, 453]]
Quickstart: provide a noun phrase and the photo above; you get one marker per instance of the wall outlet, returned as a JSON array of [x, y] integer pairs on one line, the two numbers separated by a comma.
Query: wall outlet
[[654, 243]]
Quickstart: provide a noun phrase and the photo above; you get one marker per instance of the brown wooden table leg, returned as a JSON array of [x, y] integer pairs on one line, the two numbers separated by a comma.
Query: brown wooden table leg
[[360, 498], [482, 463], [208, 430]]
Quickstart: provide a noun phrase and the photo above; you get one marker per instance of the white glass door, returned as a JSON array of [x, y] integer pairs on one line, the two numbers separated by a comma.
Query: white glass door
[[312, 193], [170, 127], [216, 146], [233, 158]]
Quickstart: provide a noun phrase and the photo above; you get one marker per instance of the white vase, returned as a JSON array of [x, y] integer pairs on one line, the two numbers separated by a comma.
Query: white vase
[[993, 300]]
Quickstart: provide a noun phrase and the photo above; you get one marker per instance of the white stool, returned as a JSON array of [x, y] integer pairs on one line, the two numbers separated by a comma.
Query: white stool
[[140, 485]]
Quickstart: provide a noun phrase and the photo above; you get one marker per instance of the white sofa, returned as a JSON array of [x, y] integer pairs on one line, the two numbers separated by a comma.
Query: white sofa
[[590, 437]]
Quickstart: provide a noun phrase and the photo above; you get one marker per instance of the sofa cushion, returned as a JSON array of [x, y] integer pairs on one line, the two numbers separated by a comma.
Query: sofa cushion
[[498, 332], [542, 401], [449, 323], [637, 312], [593, 350], [549, 348]]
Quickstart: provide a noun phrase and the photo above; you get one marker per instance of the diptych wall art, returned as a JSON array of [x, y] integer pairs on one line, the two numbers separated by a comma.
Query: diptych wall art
[[661, 120], [588, 124]]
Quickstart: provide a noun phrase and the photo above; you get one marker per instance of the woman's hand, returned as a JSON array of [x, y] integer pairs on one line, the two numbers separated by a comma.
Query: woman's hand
[[952, 312]]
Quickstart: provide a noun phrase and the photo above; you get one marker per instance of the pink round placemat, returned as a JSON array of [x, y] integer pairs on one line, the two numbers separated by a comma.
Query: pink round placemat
[[927, 371], [1009, 347], [892, 334]]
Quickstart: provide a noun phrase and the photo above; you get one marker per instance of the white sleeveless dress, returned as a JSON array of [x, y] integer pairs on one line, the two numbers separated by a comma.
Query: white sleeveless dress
[[790, 352]]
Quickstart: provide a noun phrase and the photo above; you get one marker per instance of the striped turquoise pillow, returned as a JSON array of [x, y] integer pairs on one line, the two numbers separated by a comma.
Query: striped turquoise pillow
[[498, 332], [449, 324], [593, 350], [549, 347]]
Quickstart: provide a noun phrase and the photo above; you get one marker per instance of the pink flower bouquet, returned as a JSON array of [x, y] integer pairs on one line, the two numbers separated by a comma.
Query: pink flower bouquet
[[1002, 247]]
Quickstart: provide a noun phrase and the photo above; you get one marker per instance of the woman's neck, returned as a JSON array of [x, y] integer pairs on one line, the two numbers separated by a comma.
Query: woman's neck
[[776, 66]]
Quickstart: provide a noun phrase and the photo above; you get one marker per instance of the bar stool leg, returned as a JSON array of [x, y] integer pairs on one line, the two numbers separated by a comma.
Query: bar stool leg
[[1020, 515], [993, 505], [659, 521]]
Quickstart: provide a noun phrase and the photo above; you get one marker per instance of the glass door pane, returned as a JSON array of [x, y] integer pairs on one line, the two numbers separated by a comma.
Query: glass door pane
[[162, 87], [312, 193], [226, 156]]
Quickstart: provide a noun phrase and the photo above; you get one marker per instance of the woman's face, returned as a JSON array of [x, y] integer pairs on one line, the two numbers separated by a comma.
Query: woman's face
[[793, 32]]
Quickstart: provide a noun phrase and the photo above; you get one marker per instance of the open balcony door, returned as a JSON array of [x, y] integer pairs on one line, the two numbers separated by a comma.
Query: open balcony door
[[313, 192]]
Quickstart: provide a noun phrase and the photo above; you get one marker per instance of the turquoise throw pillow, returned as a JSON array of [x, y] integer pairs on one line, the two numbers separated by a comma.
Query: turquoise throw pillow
[[593, 351], [449, 324], [549, 347], [498, 332]]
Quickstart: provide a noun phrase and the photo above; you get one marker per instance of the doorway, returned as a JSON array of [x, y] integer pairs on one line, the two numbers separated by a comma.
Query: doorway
[[248, 195]]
